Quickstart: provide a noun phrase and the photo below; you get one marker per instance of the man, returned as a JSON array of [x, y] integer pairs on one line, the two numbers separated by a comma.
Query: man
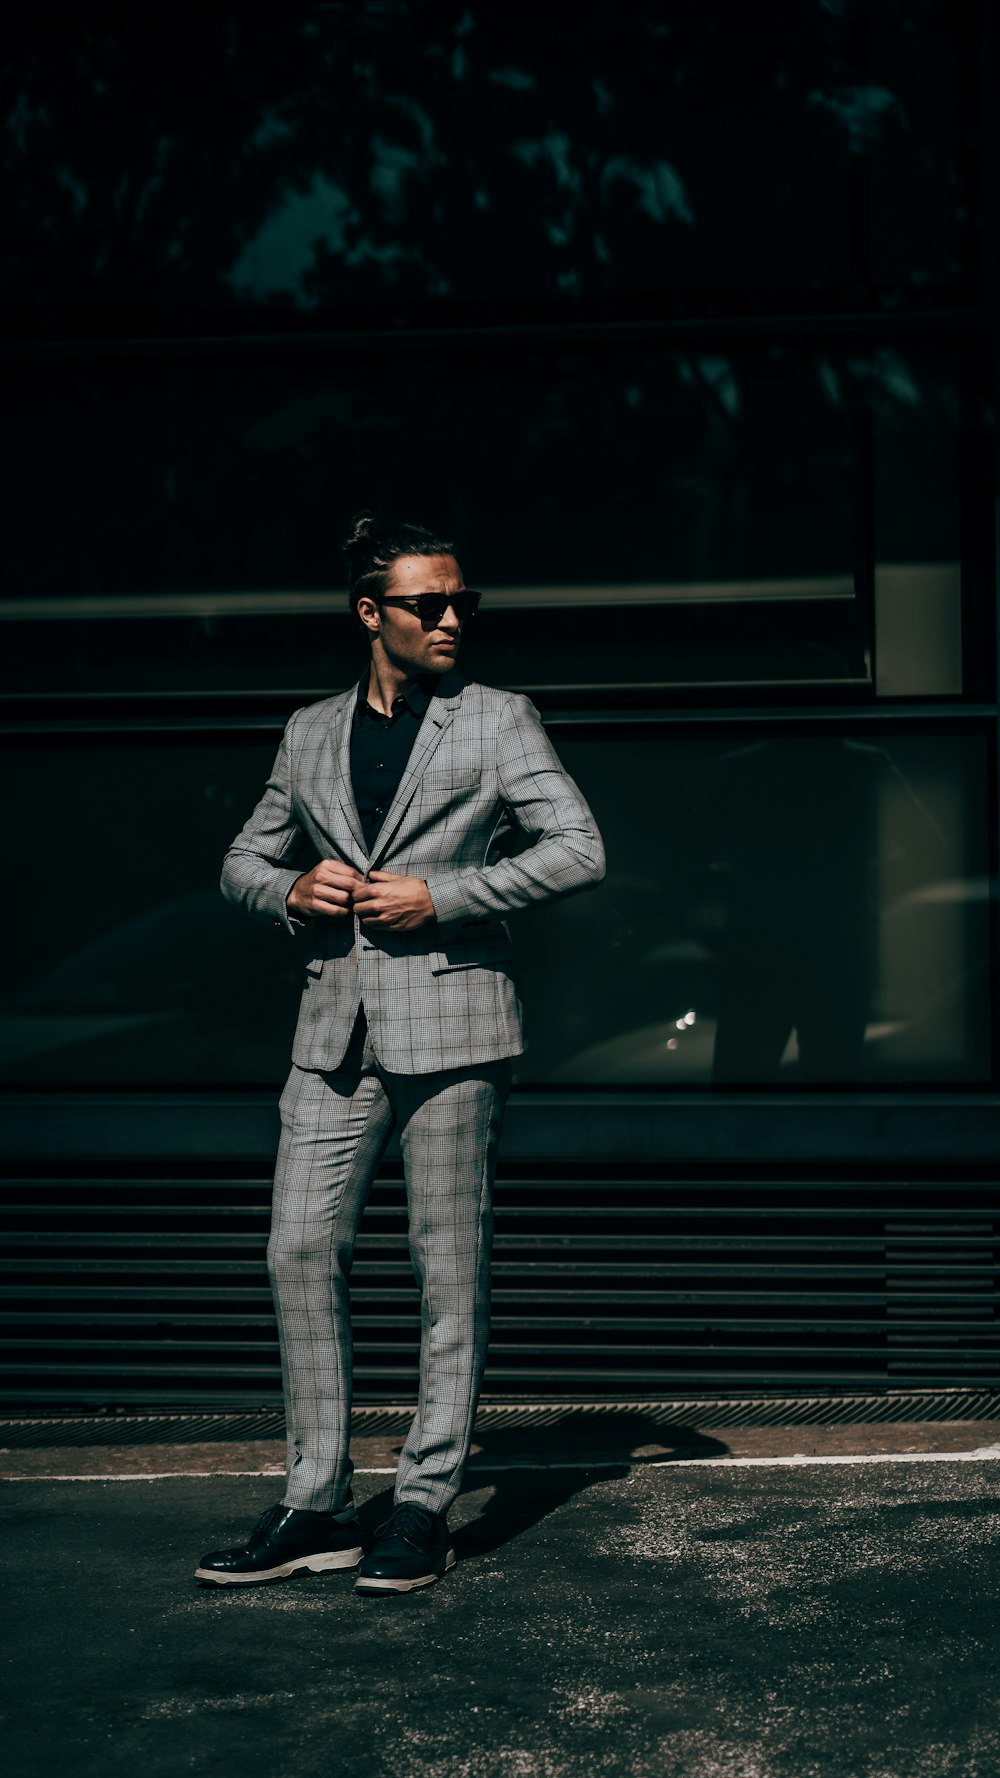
[[410, 789]]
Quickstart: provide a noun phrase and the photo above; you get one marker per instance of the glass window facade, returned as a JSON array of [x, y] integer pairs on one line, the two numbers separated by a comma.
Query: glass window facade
[[772, 518], [786, 908], [395, 162], [713, 427]]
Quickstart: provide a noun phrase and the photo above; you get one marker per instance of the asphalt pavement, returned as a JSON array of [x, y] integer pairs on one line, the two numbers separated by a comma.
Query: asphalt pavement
[[773, 1615]]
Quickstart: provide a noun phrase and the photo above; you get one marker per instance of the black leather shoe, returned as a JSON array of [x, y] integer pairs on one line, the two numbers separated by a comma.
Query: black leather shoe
[[283, 1542], [411, 1549]]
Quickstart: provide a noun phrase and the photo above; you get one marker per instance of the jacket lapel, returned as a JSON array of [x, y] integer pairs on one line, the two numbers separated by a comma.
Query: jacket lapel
[[343, 793], [437, 717]]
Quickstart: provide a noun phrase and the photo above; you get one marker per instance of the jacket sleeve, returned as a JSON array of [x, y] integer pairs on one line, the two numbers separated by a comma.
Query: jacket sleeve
[[566, 853], [260, 866]]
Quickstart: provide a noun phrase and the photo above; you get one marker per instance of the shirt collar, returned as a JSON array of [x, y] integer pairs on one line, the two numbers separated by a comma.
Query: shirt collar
[[416, 697]]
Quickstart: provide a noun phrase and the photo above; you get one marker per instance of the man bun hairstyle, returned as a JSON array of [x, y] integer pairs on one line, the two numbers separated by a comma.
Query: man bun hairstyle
[[373, 545]]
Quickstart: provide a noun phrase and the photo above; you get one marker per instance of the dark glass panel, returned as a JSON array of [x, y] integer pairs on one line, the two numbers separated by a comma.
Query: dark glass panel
[[802, 909], [919, 574], [820, 903], [184, 515], [123, 963], [382, 162], [172, 525]]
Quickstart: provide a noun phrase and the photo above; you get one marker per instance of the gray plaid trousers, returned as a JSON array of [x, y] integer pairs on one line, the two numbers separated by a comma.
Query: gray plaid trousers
[[334, 1129]]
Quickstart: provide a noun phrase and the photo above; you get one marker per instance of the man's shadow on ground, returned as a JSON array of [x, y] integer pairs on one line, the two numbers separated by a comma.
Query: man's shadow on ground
[[535, 1470]]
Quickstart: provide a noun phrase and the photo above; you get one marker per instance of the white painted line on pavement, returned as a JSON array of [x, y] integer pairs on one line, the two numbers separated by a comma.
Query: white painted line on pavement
[[983, 1453], [167, 1475]]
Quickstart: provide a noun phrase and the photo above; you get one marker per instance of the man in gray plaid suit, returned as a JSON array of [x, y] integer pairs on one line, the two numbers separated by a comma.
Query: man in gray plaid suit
[[409, 789]]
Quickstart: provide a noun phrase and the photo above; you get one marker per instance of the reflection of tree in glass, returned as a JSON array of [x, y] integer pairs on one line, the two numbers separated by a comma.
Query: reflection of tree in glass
[[430, 152]]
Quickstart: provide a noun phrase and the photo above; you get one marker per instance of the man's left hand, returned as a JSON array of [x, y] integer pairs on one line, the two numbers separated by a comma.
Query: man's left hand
[[394, 904]]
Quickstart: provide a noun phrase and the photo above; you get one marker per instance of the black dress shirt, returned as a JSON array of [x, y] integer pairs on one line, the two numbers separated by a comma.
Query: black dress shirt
[[380, 748]]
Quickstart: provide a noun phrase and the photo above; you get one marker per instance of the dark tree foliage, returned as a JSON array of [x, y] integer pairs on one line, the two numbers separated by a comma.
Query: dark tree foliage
[[389, 162]]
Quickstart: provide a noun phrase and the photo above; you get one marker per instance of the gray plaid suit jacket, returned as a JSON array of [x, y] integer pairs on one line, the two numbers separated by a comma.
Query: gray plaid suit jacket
[[482, 777]]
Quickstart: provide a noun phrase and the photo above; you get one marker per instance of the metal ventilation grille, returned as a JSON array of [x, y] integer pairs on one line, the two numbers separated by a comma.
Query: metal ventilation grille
[[119, 1428], [153, 1291]]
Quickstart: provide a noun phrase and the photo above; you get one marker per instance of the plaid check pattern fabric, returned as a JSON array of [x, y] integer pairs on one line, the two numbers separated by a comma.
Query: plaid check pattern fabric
[[334, 1128], [408, 1029], [482, 774]]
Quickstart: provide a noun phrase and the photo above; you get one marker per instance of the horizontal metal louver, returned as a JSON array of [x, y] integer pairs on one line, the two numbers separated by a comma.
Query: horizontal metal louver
[[153, 1290]]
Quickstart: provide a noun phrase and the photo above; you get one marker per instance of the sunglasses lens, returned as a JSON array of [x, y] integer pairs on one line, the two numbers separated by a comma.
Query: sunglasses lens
[[432, 606], [464, 604]]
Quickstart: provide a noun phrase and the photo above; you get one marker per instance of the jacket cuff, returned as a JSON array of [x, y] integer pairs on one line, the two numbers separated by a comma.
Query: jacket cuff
[[278, 897], [451, 905]]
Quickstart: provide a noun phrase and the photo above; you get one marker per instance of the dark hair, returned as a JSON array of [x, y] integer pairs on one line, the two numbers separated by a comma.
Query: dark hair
[[373, 545]]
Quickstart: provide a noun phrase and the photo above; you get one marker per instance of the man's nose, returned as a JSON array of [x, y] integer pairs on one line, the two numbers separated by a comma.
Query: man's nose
[[449, 620]]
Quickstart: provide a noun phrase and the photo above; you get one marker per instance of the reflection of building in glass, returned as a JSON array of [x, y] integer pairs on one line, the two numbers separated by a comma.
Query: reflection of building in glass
[[800, 877], [820, 884]]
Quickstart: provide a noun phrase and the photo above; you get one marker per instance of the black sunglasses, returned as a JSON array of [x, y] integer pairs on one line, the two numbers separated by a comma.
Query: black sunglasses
[[431, 607]]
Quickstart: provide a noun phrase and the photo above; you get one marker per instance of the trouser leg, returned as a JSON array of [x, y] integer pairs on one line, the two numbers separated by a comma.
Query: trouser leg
[[449, 1129], [334, 1129]]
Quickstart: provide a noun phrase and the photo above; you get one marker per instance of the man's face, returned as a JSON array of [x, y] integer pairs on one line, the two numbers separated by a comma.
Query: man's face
[[414, 645]]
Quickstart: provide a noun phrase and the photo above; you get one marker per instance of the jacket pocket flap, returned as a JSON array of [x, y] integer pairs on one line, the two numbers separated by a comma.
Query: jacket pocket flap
[[472, 953], [443, 781]]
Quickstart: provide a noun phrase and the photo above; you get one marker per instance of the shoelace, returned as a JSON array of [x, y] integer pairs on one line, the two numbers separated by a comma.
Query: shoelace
[[266, 1520], [408, 1521]]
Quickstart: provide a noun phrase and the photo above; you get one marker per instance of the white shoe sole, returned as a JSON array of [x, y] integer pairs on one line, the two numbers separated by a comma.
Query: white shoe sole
[[313, 1564], [378, 1584]]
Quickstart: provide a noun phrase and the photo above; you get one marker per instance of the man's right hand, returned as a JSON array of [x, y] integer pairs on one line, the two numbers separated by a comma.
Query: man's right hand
[[326, 889]]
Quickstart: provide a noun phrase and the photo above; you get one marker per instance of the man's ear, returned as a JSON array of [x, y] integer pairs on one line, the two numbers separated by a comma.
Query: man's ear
[[367, 609]]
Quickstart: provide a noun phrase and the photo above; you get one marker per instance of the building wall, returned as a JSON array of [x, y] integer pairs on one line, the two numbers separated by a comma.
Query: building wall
[[684, 326]]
